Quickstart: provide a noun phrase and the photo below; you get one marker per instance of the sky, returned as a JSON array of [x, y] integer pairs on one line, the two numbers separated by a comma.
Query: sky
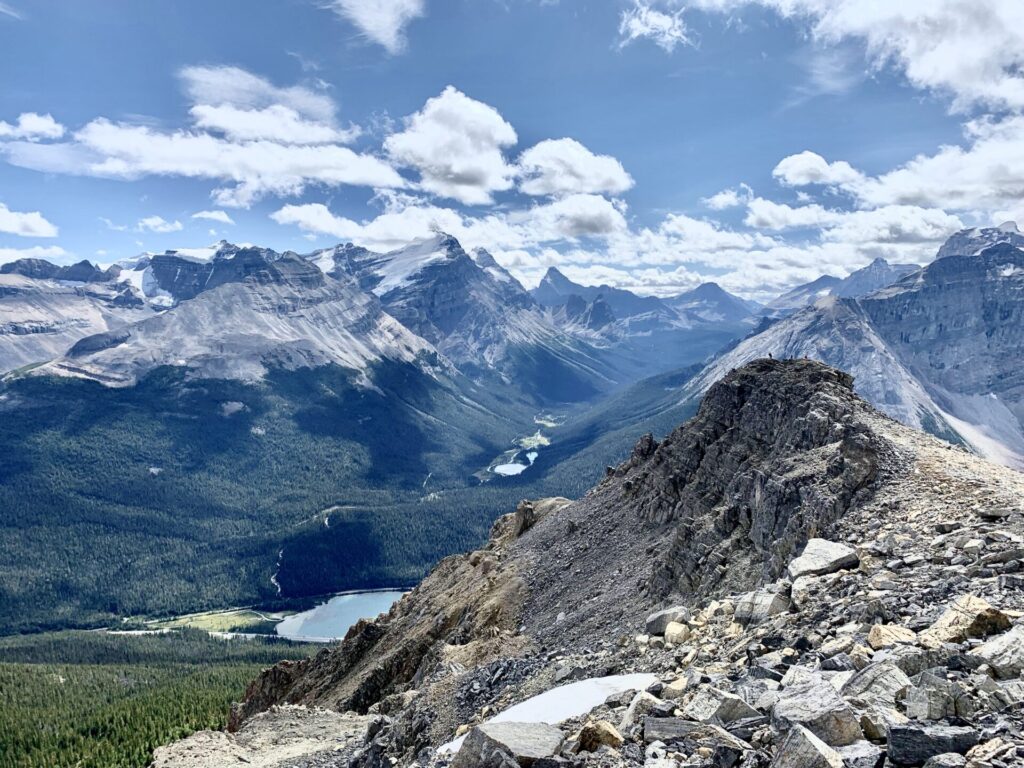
[[649, 144]]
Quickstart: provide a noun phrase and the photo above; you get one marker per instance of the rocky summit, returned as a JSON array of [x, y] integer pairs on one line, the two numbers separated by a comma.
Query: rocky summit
[[790, 579]]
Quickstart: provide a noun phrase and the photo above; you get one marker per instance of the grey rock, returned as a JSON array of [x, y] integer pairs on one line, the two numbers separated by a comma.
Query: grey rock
[[914, 743], [658, 622], [802, 749], [862, 754], [876, 684], [1004, 653], [816, 706], [525, 743], [673, 729], [946, 760], [754, 607], [820, 557], [715, 704]]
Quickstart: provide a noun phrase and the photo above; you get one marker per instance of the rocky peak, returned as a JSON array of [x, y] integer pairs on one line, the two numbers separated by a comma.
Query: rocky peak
[[40, 269], [970, 241], [789, 578]]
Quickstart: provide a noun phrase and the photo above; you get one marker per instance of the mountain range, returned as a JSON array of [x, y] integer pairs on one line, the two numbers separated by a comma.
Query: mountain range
[[295, 424]]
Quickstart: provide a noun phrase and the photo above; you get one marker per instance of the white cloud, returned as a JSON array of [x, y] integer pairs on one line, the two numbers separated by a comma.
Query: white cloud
[[158, 224], [258, 168], [31, 126], [572, 217], [894, 224], [729, 198], [987, 173], [665, 28], [218, 216], [27, 224], [564, 166], [36, 252], [382, 21], [973, 51], [455, 143], [767, 214], [8, 10], [274, 123], [810, 168], [234, 86]]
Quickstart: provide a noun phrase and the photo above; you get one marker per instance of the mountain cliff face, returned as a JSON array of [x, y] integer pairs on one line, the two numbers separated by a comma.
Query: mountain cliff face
[[790, 575], [938, 350]]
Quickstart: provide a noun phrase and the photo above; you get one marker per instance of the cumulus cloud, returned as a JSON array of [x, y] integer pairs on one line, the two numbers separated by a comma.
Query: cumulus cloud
[[807, 167], [382, 21], [251, 136], [158, 224], [973, 51], [274, 123], [665, 28], [564, 166], [222, 85], [31, 126], [729, 198], [221, 217], [25, 224], [36, 252], [455, 143]]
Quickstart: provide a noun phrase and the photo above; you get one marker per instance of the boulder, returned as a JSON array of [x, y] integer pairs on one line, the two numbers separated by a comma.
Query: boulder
[[657, 622], [816, 706], [875, 721], [946, 760], [673, 729], [597, 734], [967, 616], [914, 743], [821, 556], [886, 635], [935, 698], [642, 704], [1004, 654], [876, 684], [676, 689], [862, 754], [755, 607], [802, 749], [676, 633], [715, 704], [524, 743]]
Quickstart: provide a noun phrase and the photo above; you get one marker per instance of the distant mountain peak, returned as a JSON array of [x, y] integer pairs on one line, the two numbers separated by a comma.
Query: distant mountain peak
[[1009, 226]]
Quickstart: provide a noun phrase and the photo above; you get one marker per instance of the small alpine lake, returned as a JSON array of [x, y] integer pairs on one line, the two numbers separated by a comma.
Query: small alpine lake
[[331, 620]]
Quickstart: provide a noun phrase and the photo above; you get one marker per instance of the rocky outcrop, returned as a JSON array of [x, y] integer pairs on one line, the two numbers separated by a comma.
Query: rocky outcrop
[[660, 570]]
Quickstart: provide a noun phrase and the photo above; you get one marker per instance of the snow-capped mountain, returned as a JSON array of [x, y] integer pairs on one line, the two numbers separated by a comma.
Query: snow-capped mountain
[[44, 309], [475, 313], [971, 241], [803, 295], [555, 289], [878, 274], [710, 303], [938, 350], [284, 313]]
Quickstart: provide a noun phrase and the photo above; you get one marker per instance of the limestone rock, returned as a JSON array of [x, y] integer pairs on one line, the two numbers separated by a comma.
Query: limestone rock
[[821, 556], [802, 749], [676, 633], [1004, 654], [967, 616], [754, 607], [715, 704], [601, 733], [914, 743], [816, 706], [861, 754], [886, 635], [876, 684], [670, 729], [525, 743], [642, 704], [658, 622], [946, 760]]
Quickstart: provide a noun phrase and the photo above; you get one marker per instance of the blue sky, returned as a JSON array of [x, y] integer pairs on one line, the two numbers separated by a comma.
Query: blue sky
[[649, 144]]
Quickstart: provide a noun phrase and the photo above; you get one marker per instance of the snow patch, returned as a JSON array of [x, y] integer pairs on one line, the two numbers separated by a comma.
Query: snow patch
[[565, 702]]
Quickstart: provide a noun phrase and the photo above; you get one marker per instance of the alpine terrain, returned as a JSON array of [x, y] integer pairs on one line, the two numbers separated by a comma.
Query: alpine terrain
[[790, 578]]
